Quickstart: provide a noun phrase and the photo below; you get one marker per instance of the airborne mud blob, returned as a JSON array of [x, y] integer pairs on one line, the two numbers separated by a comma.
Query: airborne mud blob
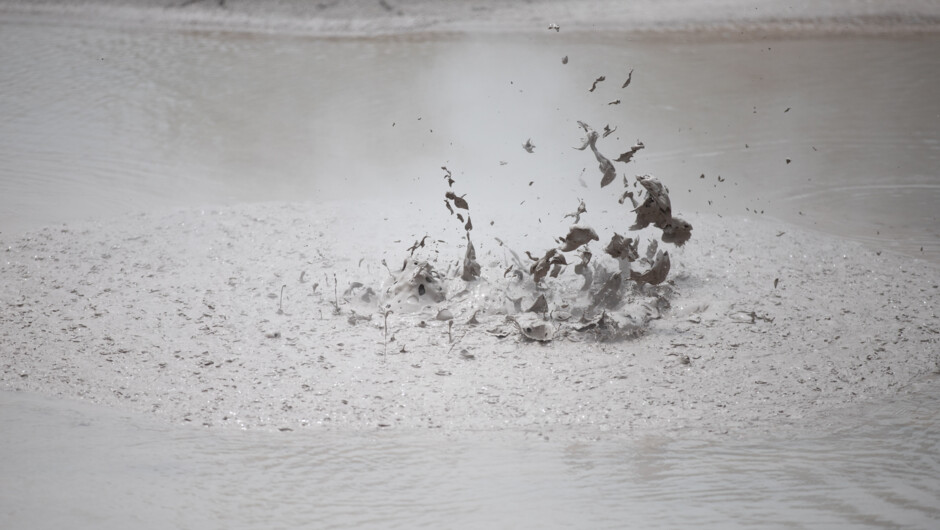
[[626, 157], [604, 164], [656, 209], [577, 236], [471, 269]]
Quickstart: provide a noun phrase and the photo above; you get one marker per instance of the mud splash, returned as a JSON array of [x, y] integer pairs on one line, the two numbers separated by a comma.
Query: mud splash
[[629, 292]]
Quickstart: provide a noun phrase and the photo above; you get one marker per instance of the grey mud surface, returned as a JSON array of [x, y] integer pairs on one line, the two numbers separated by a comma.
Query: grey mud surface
[[179, 316]]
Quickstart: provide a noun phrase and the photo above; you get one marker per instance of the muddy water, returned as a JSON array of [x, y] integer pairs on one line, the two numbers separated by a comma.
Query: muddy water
[[67, 464], [838, 135]]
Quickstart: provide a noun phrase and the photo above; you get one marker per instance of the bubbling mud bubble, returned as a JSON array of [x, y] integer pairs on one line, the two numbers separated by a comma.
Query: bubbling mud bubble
[[416, 287], [533, 328]]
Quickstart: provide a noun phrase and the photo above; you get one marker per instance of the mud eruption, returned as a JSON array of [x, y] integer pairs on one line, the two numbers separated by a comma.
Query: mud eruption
[[617, 295]]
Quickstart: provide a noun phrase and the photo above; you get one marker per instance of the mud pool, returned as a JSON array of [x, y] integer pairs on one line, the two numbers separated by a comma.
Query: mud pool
[[59, 458], [839, 136]]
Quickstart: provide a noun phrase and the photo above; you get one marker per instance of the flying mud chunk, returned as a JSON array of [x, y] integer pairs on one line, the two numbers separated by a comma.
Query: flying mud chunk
[[577, 213], [627, 194], [459, 202], [626, 157], [604, 164], [578, 235], [540, 305], [417, 245], [596, 81], [629, 79], [471, 269], [624, 248], [529, 146], [677, 232], [584, 269], [657, 273], [609, 294], [656, 209], [448, 177], [543, 265], [651, 251]]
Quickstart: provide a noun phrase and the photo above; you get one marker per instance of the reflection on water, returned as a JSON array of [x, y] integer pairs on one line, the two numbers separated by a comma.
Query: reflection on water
[[67, 465], [838, 135]]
